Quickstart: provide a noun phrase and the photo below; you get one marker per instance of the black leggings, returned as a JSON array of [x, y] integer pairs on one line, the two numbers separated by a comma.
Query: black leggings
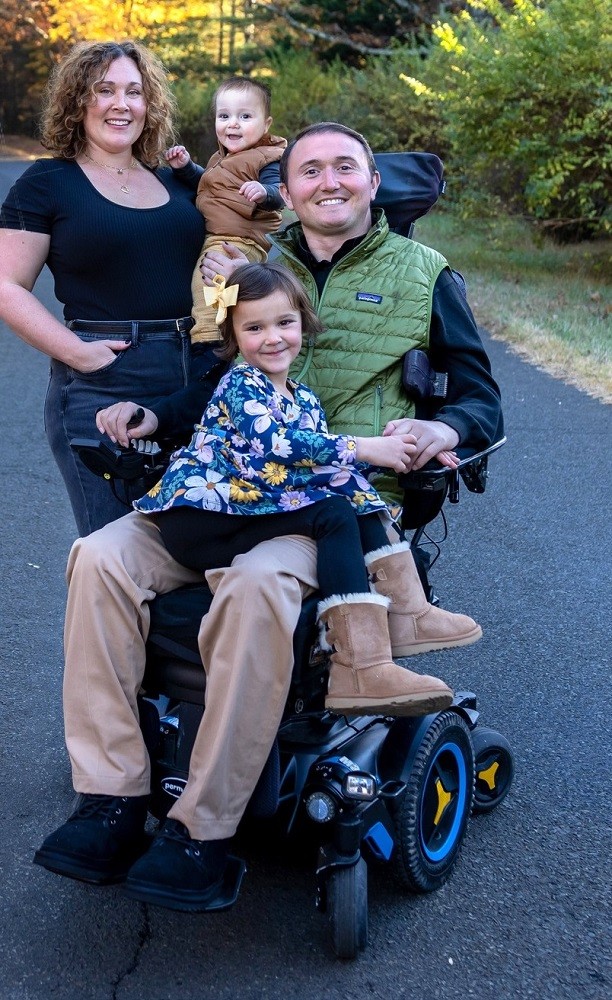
[[204, 539]]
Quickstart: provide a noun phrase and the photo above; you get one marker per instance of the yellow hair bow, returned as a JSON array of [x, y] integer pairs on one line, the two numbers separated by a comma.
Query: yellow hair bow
[[221, 296]]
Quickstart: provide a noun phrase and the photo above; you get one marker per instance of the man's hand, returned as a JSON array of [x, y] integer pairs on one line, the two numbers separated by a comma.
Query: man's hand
[[434, 439], [222, 262], [394, 452], [177, 157], [253, 191], [114, 420]]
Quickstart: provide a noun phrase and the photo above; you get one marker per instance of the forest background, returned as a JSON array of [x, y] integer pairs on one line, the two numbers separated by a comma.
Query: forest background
[[514, 95]]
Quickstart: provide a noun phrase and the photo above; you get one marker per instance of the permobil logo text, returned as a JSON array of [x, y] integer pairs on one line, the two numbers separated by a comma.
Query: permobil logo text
[[173, 786]]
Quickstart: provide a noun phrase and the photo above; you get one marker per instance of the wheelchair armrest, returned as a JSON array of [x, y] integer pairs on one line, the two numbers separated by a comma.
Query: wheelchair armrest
[[110, 461], [426, 489], [474, 468], [471, 468]]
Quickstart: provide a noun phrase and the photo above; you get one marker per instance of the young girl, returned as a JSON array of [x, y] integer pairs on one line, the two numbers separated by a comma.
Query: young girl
[[263, 449]]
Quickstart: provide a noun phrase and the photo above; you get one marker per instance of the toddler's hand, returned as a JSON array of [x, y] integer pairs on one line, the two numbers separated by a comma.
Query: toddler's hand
[[177, 157], [253, 191]]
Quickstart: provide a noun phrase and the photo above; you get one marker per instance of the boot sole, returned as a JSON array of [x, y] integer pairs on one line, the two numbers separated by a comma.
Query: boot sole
[[94, 874], [408, 705], [72, 868], [399, 652], [219, 896]]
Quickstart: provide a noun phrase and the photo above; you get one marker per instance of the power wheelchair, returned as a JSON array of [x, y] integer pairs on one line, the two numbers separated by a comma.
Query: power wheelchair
[[359, 791]]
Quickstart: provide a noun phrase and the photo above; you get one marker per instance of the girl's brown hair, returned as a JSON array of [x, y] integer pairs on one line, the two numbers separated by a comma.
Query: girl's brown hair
[[257, 281], [71, 90]]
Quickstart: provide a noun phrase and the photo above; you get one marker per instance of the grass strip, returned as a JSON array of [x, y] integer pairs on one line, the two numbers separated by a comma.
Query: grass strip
[[551, 303]]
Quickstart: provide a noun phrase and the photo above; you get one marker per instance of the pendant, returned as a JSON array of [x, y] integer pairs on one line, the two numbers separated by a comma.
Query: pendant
[[125, 189]]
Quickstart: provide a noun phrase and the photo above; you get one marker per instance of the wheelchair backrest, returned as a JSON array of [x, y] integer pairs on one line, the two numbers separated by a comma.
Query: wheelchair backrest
[[410, 184]]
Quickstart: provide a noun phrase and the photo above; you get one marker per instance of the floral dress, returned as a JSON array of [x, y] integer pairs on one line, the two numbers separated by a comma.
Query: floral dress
[[257, 452]]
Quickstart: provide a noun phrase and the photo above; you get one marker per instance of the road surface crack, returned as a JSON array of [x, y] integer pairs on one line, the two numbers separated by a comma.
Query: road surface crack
[[144, 937]]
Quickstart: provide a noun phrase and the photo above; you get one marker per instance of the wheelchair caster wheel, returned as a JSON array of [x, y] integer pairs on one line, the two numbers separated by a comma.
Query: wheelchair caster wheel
[[432, 813], [347, 909], [494, 768]]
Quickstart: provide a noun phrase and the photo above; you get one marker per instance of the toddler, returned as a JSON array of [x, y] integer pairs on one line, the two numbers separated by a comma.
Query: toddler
[[238, 192]]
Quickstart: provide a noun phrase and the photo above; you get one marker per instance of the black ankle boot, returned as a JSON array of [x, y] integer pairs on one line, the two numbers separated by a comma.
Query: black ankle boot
[[100, 841], [178, 872]]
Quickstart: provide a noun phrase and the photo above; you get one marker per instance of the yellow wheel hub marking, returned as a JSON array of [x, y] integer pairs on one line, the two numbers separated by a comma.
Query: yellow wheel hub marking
[[444, 798], [489, 775]]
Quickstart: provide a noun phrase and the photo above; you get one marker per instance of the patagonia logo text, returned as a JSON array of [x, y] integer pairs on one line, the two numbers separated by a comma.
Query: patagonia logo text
[[369, 297]]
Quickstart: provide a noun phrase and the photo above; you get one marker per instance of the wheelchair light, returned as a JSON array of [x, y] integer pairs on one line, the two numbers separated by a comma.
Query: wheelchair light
[[357, 785], [320, 807]]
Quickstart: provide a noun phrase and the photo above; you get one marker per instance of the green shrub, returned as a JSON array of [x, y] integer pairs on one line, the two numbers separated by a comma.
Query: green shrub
[[376, 102], [525, 97], [196, 124], [304, 90]]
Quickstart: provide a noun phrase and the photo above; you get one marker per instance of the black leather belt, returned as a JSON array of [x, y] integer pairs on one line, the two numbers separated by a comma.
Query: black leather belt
[[129, 327]]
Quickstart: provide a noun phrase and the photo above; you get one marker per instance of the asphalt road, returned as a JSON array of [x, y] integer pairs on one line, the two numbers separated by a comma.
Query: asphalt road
[[527, 910]]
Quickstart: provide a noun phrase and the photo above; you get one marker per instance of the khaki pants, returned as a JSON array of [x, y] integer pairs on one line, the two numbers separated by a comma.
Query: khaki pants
[[246, 642], [205, 328]]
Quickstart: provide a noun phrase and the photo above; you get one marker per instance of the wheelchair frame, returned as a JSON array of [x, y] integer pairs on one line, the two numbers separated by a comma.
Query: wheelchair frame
[[361, 791]]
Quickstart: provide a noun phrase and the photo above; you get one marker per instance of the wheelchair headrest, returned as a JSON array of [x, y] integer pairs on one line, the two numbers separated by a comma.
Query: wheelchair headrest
[[410, 184]]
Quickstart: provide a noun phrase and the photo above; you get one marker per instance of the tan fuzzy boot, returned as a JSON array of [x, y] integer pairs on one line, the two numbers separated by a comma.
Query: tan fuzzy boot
[[415, 625], [363, 679]]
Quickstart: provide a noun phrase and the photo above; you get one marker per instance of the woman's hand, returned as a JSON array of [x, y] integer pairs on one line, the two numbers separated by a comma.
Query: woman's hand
[[93, 355], [114, 420]]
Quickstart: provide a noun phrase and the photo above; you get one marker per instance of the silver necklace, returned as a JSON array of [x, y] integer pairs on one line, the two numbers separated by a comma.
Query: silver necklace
[[123, 187]]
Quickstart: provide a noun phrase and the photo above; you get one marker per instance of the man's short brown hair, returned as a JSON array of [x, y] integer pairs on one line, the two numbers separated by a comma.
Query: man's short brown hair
[[319, 129]]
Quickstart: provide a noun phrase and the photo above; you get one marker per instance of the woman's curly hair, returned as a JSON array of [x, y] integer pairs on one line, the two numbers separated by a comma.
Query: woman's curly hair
[[71, 90]]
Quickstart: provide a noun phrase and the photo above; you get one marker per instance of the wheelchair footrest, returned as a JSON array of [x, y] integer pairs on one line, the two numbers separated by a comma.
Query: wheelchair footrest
[[232, 880], [226, 896]]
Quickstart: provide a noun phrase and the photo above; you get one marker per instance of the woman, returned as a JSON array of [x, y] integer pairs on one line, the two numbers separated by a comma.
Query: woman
[[121, 235]]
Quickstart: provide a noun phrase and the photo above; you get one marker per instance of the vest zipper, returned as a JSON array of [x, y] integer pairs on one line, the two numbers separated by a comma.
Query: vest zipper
[[378, 405], [310, 343], [301, 376]]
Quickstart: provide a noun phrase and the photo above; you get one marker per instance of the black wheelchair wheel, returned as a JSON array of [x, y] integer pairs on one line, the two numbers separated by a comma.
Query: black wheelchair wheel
[[432, 813], [494, 766], [347, 909]]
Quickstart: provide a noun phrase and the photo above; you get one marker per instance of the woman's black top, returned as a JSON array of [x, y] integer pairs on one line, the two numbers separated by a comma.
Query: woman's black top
[[109, 262]]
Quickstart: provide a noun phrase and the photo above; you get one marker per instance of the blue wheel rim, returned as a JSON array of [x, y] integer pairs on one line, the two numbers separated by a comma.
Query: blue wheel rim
[[443, 803]]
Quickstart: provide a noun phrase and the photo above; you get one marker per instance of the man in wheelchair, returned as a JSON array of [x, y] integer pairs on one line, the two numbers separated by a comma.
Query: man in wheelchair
[[378, 295]]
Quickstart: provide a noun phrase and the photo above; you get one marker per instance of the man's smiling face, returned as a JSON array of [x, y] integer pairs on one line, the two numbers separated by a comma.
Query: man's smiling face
[[329, 186]]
